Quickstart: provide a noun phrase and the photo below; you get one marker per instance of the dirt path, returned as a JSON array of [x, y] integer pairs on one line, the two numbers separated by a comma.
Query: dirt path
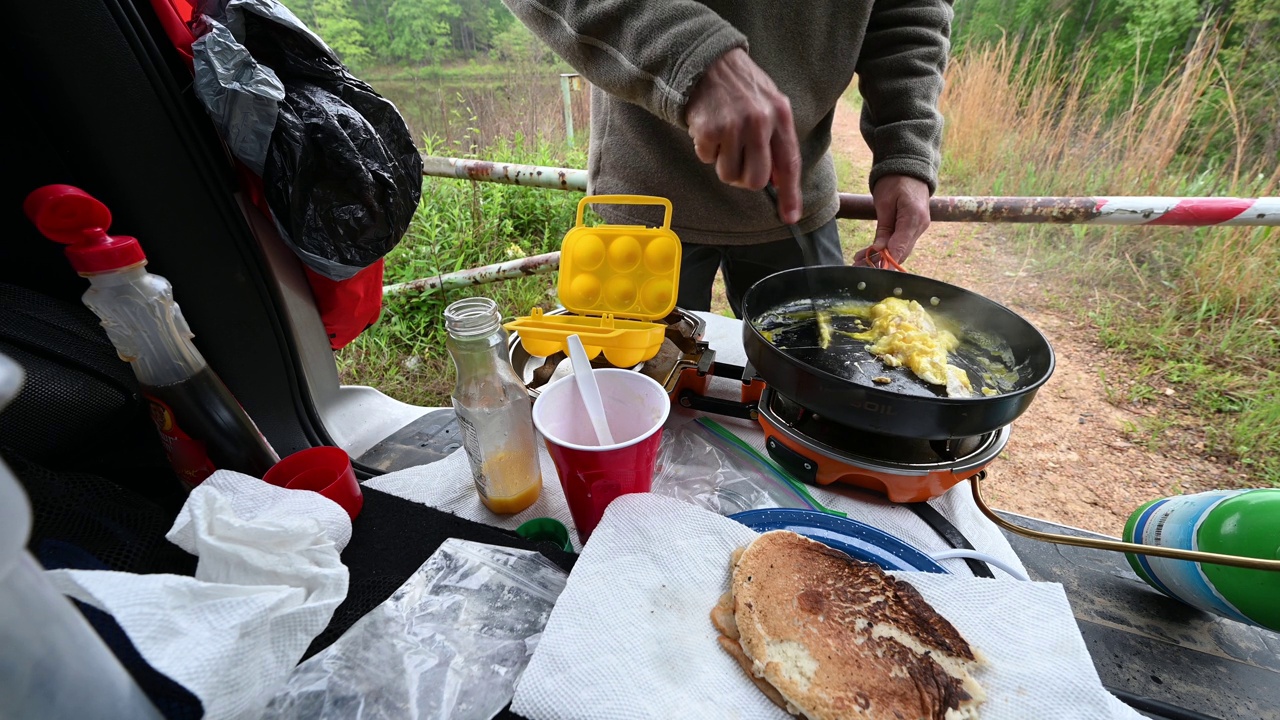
[[1070, 458]]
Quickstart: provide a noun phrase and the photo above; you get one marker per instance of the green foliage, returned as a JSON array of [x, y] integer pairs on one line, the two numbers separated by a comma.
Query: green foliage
[[412, 32], [336, 23], [1195, 312], [517, 44], [419, 29], [458, 226], [1137, 44]]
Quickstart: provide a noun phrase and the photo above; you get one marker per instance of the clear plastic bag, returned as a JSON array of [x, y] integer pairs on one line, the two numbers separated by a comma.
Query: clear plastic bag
[[703, 464], [449, 644]]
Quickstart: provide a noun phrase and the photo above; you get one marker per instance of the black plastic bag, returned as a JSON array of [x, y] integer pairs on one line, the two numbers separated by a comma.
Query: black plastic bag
[[341, 172]]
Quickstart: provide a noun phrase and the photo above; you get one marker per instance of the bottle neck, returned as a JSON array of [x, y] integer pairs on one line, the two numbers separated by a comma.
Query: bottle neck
[[145, 324], [482, 354], [477, 341]]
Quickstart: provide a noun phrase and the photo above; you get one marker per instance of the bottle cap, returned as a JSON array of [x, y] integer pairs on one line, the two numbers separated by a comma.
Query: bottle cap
[[545, 529], [73, 217], [324, 469]]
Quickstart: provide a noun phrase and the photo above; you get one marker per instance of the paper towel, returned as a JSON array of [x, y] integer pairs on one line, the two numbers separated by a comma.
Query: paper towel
[[447, 485], [631, 636], [268, 579]]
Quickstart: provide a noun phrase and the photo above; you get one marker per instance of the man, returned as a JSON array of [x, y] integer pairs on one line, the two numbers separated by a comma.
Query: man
[[707, 102]]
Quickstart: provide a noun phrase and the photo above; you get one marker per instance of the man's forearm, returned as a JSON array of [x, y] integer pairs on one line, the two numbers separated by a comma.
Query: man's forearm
[[900, 73]]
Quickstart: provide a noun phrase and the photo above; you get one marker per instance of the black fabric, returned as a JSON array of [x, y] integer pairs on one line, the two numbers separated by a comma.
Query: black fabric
[[951, 534], [80, 408], [87, 522], [744, 265]]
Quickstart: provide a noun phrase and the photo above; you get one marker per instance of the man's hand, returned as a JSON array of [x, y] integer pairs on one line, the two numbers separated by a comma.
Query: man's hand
[[741, 122], [902, 215]]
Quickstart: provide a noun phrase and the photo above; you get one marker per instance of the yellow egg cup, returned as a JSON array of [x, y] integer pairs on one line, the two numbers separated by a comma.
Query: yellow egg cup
[[613, 278]]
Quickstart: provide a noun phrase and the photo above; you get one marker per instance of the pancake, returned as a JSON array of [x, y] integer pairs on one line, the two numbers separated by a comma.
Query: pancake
[[837, 638]]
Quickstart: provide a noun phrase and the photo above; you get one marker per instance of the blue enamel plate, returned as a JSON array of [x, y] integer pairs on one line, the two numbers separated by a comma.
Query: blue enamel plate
[[857, 540]]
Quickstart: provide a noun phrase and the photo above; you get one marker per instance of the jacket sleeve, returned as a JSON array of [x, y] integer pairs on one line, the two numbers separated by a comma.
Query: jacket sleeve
[[900, 72], [648, 52]]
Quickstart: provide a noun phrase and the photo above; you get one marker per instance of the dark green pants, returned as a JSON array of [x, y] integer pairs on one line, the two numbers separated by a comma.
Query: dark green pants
[[745, 265]]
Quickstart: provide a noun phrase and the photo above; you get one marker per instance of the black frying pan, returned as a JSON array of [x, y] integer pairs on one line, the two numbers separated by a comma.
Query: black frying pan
[[840, 382]]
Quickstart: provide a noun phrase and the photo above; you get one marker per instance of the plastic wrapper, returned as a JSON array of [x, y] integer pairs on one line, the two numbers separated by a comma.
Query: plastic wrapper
[[340, 169], [703, 464], [449, 644]]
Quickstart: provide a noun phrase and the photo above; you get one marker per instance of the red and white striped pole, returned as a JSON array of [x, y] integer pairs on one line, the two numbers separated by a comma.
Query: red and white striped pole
[[1120, 210], [1193, 212]]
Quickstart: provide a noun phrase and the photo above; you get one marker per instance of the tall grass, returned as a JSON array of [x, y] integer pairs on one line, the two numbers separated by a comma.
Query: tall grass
[[457, 226], [1196, 309]]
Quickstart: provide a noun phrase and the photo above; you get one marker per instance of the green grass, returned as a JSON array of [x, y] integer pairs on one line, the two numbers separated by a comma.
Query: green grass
[[1221, 362], [1192, 311], [1219, 352], [460, 73], [460, 225]]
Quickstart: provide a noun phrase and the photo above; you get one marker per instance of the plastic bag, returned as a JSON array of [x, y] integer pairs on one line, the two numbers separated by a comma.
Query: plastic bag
[[450, 643], [703, 465], [340, 169]]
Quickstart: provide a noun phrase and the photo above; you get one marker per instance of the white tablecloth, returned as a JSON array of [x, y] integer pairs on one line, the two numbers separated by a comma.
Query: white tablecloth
[[447, 484]]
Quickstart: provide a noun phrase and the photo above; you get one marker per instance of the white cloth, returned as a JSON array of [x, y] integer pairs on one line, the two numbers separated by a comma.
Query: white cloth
[[631, 636], [268, 579]]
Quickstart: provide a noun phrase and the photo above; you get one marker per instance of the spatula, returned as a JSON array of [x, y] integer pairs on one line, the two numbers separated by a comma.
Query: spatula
[[590, 391], [809, 251]]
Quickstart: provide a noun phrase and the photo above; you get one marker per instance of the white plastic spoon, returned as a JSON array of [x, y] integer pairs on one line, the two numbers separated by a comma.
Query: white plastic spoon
[[589, 390]]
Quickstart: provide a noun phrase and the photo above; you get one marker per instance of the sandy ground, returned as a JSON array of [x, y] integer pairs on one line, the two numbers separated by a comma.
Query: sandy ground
[[1072, 456]]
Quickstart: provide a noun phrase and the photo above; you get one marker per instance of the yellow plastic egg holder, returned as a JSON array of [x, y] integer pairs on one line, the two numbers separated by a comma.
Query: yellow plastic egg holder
[[613, 279]]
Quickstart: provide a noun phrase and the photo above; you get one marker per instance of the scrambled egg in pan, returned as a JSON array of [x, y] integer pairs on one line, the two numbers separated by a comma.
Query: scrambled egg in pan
[[903, 334]]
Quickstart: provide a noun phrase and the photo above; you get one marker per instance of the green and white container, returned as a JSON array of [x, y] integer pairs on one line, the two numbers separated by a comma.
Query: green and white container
[[1244, 523]]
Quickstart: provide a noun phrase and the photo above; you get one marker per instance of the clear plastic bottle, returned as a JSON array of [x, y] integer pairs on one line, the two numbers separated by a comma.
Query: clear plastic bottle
[[53, 664], [493, 408], [201, 425]]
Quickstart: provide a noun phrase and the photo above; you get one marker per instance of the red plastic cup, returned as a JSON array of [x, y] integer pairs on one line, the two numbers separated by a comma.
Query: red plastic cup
[[592, 475], [326, 470]]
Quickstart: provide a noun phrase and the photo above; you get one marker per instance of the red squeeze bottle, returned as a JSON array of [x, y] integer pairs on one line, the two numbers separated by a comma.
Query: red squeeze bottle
[[201, 425]]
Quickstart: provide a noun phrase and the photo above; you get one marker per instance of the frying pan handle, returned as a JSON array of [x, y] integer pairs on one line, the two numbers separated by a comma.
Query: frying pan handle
[[1116, 545], [885, 260]]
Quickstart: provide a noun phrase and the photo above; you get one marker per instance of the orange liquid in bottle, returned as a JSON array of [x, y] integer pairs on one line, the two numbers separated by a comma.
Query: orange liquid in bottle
[[514, 482]]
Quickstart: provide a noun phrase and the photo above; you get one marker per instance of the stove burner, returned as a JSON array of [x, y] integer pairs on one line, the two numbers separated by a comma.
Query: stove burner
[[866, 446], [821, 451], [682, 348]]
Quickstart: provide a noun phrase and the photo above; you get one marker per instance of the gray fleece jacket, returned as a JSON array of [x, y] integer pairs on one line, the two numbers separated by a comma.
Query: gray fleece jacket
[[643, 57]]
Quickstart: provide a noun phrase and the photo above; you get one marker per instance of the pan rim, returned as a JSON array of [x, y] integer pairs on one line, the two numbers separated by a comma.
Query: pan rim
[[876, 392]]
